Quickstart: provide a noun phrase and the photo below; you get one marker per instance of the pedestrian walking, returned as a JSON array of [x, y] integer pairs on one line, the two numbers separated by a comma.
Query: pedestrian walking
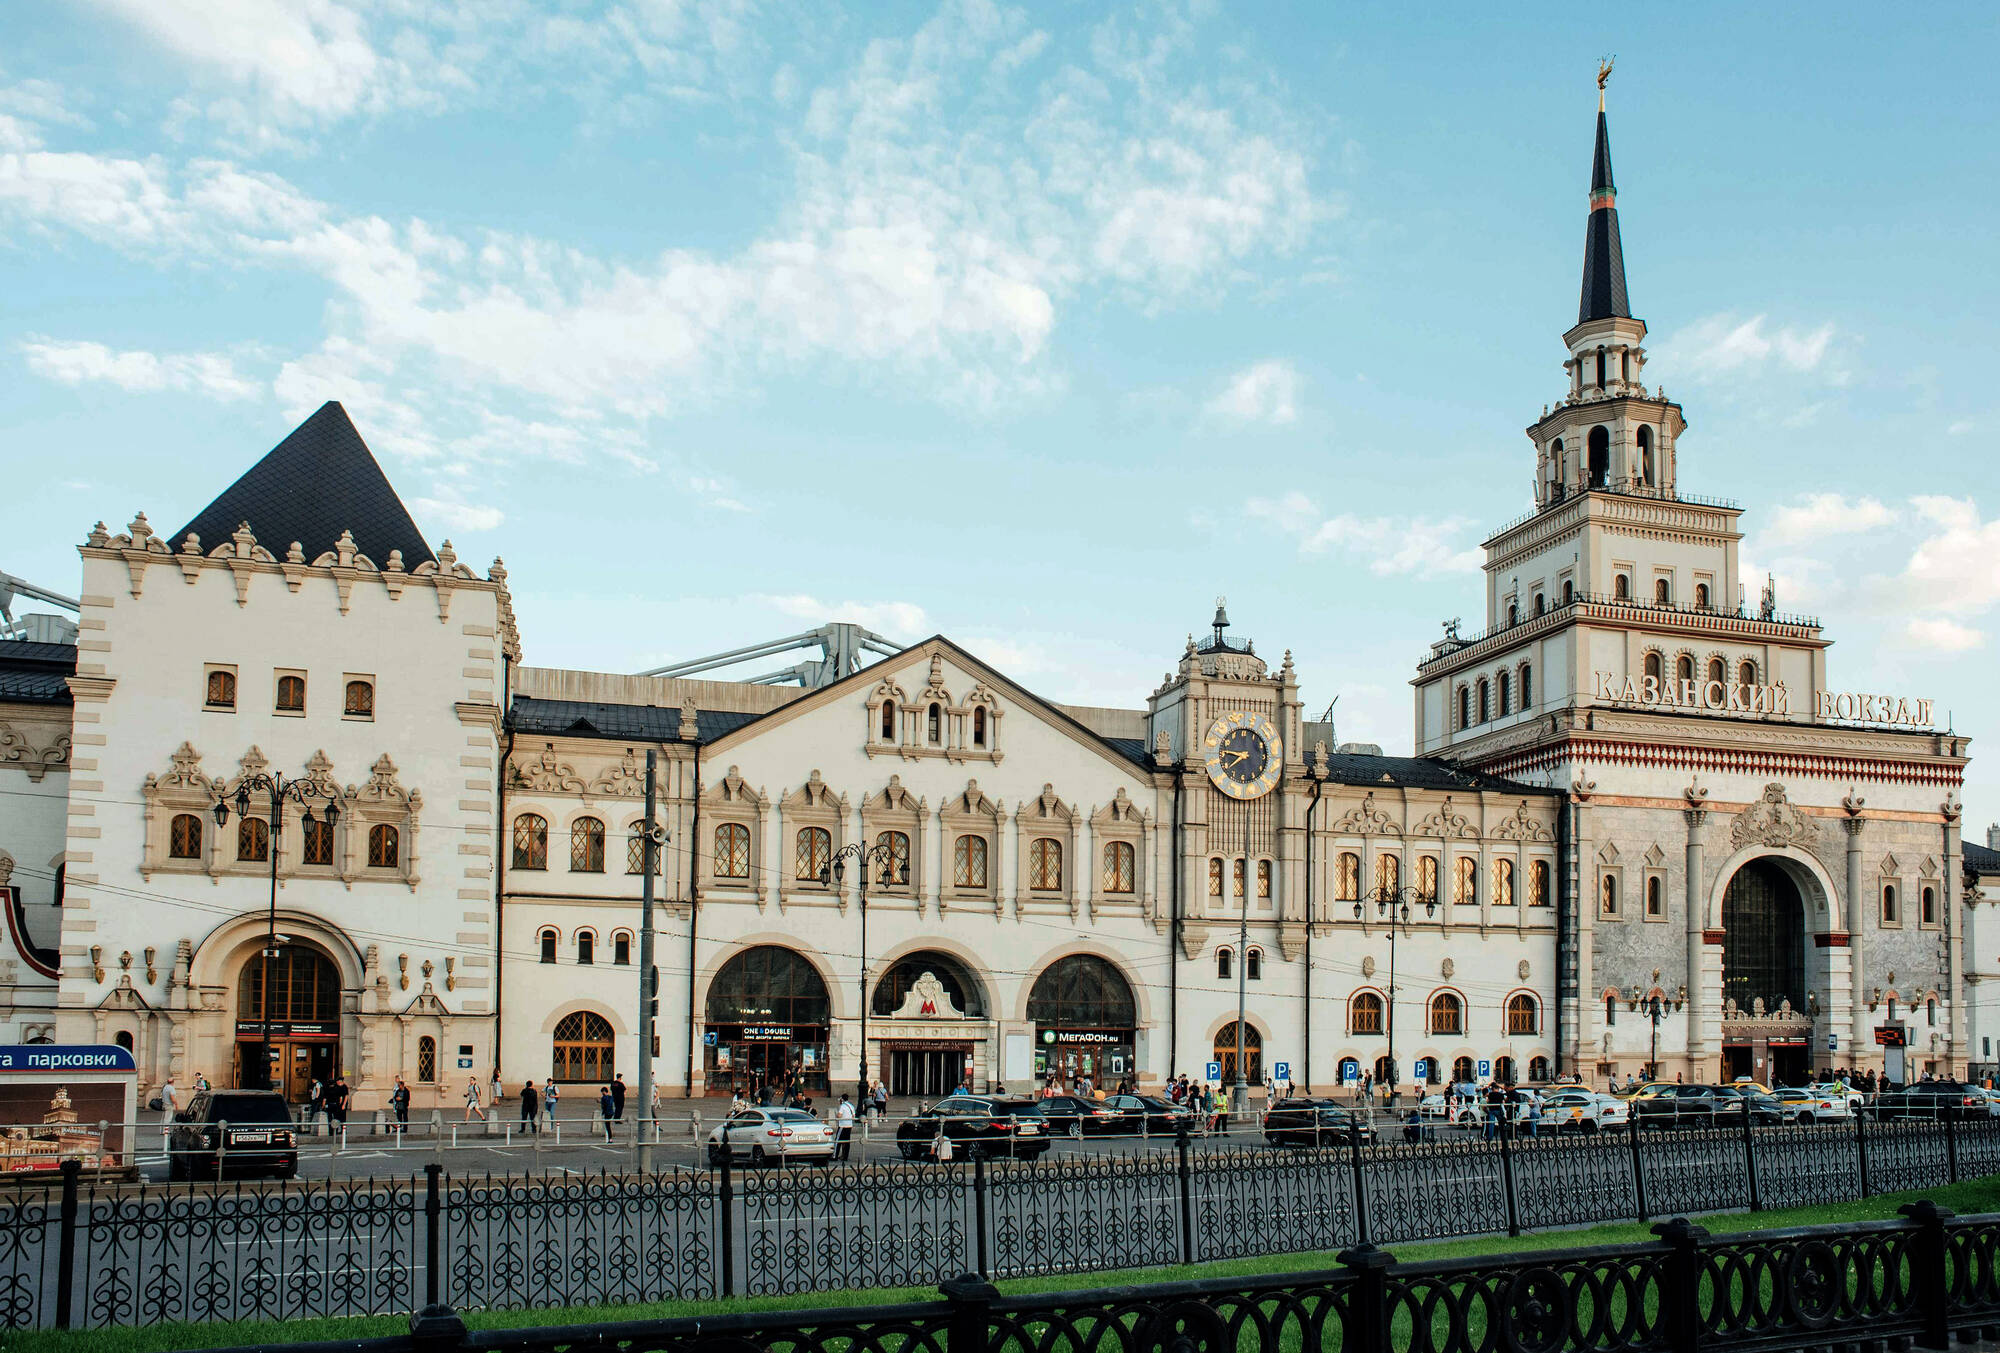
[[338, 1107], [399, 1101], [169, 1106], [607, 1110], [549, 1096], [531, 1120], [881, 1100], [315, 1098], [618, 1098], [843, 1118], [472, 1105], [498, 1092]]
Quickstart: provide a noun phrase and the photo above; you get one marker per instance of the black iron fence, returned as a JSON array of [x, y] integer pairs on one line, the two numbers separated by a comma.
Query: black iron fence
[[89, 1253], [1928, 1279]]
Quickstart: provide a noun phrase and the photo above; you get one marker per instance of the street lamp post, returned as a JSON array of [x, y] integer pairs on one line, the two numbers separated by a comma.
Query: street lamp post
[[1656, 1006], [894, 870], [278, 790], [1393, 905]]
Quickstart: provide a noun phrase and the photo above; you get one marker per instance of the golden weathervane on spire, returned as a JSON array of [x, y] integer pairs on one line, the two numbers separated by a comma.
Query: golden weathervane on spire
[[1603, 74]]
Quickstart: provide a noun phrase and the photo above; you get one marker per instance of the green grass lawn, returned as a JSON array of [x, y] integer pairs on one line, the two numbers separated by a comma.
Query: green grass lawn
[[1981, 1195]]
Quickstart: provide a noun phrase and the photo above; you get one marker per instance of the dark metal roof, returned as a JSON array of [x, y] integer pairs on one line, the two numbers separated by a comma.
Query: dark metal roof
[[1980, 859], [316, 483], [599, 719], [1415, 772], [1603, 254], [34, 674], [1134, 750]]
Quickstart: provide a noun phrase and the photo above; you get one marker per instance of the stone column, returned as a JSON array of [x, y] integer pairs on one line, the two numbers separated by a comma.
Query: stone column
[[1954, 865], [1859, 912], [1696, 896]]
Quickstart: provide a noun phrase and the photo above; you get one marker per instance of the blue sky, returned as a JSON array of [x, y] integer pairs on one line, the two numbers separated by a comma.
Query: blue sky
[[1038, 326]]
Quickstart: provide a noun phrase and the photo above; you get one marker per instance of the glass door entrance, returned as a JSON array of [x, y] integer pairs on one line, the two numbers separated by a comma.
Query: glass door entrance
[[929, 1073]]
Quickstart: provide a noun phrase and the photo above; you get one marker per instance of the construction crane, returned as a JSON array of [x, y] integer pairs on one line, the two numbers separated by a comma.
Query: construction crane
[[840, 646], [12, 588]]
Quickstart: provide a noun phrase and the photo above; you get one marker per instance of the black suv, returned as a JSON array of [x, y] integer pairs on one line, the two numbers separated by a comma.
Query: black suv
[[1933, 1100], [237, 1131], [977, 1125], [1314, 1121], [1706, 1106], [1120, 1115]]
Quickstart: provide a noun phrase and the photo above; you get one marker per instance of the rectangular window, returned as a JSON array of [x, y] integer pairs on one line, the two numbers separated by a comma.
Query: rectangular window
[[1120, 867], [291, 698], [1045, 865], [813, 854], [1264, 880], [219, 687], [1427, 878], [1465, 881], [318, 842], [1503, 883], [732, 851], [968, 862], [357, 696]]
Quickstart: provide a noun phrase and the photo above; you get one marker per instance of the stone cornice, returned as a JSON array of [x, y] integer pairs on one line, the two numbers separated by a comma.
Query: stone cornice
[[97, 688]]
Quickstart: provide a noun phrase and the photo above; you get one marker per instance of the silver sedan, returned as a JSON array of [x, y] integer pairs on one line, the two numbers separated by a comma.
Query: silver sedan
[[771, 1137]]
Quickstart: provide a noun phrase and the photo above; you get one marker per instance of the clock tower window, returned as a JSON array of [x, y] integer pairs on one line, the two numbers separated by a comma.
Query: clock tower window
[[1600, 456]]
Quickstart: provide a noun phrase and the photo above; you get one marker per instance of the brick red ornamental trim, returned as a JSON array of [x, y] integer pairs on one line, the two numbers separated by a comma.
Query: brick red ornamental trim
[[1831, 940], [1714, 936]]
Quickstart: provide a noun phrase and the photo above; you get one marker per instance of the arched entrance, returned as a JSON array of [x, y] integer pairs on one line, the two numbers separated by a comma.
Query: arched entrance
[[1253, 1053], [585, 1050], [304, 1020], [924, 1049], [1085, 1020], [768, 1015], [1766, 1028]]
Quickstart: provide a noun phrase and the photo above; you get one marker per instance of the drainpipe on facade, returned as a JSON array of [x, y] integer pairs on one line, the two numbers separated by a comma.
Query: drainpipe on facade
[[1311, 809], [694, 914], [1174, 938], [501, 844], [1565, 933]]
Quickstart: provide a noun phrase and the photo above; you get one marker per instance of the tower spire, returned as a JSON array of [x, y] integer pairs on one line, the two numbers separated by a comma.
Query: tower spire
[[1603, 255]]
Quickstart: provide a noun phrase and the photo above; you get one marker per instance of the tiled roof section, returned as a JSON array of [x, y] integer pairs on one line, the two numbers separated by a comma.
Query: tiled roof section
[[1413, 772], [597, 719], [1134, 750], [1603, 253], [318, 482], [1981, 860], [34, 674]]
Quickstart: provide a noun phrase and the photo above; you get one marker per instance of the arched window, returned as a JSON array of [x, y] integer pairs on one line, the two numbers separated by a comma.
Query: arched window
[[253, 839], [531, 841], [1538, 1069], [888, 719], [1347, 877], [1082, 991], [1447, 1014], [1253, 1053], [1045, 864], [1646, 473], [1656, 902], [1236, 875], [125, 1040], [1538, 883], [1388, 873], [1621, 588], [1541, 604], [1556, 460], [427, 1060], [1655, 667], [1513, 613], [1427, 878], [1569, 591], [1662, 592], [1747, 674], [385, 845], [732, 851], [1485, 701], [317, 842], [1503, 883], [1364, 1013], [968, 862], [621, 949], [1264, 880], [1121, 867], [1463, 1071], [583, 1049], [1465, 881], [586, 947], [1684, 668], [1701, 596], [1253, 965], [979, 726], [292, 694], [812, 855], [1506, 684], [1215, 878], [1527, 686], [1385, 1070], [1523, 1014], [1464, 707], [548, 944], [184, 837], [635, 852], [1600, 456], [934, 724], [1927, 907], [769, 984], [894, 870], [1890, 916], [1608, 892], [586, 846], [360, 700], [1223, 971], [304, 986], [1600, 381], [1716, 671], [222, 690], [964, 992]]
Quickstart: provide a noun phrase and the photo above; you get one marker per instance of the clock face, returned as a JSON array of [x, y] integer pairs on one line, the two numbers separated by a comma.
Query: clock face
[[1243, 754]]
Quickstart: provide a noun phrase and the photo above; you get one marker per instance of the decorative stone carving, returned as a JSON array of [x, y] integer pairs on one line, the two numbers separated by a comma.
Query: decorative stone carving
[[1521, 970], [1365, 819], [1446, 969], [1368, 967], [548, 775], [625, 778], [1774, 821], [927, 999], [1448, 822], [1521, 826], [17, 750]]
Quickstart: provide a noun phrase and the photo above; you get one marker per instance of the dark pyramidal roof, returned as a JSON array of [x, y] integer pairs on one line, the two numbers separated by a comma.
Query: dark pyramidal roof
[[319, 481], [1603, 255]]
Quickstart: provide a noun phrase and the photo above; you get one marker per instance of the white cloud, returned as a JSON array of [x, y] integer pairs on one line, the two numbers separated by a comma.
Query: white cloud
[[1266, 392], [717, 494], [1942, 636], [1724, 345], [457, 516], [1423, 546], [1822, 516], [902, 621], [1957, 568], [76, 363]]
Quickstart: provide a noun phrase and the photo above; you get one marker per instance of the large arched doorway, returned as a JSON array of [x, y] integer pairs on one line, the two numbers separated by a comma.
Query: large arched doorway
[[1086, 1021], [303, 1020], [768, 1021], [584, 1049], [1763, 969], [1253, 1053], [930, 1007]]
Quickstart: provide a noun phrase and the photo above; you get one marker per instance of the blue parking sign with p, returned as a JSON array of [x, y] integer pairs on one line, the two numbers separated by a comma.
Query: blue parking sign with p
[[1421, 1069], [1282, 1071], [1485, 1068], [1215, 1071], [1351, 1075]]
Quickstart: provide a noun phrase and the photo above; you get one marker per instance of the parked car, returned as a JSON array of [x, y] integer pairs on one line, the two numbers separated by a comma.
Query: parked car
[[1073, 1116], [1936, 1100], [234, 1132], [977, 1125], [1816, 1103], [1646, 1090], [1161, 1117], [1745, 1083], [1583, 1111], [771, 1136], [1705, 1106], [1763, 1107], [1316, 1121], [1452, 1107]]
